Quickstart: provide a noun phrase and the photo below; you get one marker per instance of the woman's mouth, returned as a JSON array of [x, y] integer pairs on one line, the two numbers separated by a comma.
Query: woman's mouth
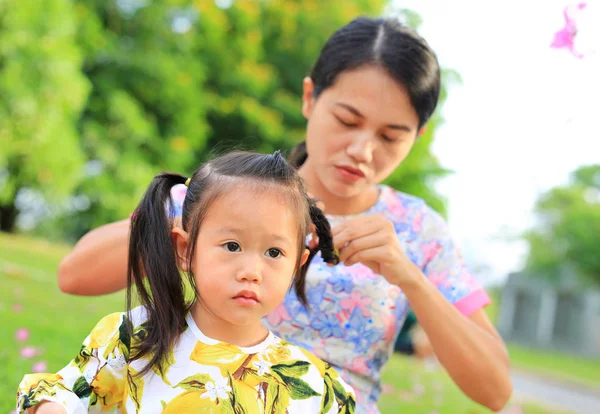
[[350, 173]]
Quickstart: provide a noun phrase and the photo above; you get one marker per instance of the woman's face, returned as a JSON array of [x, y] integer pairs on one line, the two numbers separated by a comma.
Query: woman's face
[[359, 130]]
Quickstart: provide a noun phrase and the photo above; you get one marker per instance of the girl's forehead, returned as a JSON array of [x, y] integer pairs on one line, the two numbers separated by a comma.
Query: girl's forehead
[[256, 197], [257, 213]]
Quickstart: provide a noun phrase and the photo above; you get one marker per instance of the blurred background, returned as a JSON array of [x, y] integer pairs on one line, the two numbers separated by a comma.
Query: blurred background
[[97, 96]]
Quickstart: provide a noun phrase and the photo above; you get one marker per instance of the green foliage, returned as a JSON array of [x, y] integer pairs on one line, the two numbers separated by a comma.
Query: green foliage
[[42, 94], [569, 228], [129, 88]]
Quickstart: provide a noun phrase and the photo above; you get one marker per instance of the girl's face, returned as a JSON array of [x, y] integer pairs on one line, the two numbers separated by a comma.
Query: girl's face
[[245, 256], [359, 130]]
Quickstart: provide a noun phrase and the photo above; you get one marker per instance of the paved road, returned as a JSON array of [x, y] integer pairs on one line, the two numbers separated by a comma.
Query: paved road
[[574, 399]]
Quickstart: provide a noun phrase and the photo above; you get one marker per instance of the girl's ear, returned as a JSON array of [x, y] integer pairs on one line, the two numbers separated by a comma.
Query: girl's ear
[[304, 257], [180, 239]]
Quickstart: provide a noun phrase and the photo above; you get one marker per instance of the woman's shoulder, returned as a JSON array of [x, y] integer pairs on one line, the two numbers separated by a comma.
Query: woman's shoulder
[[402, 205]]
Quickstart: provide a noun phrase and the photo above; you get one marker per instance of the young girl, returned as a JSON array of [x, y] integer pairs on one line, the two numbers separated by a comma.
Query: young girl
[[244, 222]]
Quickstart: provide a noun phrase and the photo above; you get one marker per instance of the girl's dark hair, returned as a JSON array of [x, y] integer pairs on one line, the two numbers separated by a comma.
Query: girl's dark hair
[[385, 43], [153, 266]]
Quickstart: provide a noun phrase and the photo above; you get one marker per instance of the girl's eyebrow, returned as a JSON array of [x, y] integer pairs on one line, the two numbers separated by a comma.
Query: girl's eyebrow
[[358, 114], [228, 230]]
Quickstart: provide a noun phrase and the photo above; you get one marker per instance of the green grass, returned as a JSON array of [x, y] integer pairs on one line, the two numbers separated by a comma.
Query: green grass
[[58, 323], [420, 387], [557, 366]]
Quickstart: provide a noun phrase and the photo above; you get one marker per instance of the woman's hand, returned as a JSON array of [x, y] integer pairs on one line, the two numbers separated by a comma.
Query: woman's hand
[[372, 241]]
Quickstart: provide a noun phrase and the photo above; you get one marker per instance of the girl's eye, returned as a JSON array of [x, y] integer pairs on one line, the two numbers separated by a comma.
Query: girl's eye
[[232, 246], [274, 253]]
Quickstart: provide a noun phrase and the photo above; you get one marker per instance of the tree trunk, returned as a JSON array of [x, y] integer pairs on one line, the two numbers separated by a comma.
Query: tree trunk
[[8, 217]]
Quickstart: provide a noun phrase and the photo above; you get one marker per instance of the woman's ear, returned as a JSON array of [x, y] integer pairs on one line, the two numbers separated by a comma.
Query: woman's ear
[[180, 239], [308, 100]]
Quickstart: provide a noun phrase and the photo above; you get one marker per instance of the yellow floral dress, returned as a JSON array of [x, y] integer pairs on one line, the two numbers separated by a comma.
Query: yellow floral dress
[[203, 376]]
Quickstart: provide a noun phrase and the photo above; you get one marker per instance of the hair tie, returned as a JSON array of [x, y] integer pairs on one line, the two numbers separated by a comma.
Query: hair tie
[[175, 207], [187, 182]]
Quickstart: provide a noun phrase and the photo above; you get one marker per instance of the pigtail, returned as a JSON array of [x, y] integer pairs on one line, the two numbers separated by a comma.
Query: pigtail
[[328, 252], [325, 246], [153, 272]]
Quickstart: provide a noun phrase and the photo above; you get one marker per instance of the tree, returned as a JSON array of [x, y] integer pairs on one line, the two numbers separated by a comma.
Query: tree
[[42, 92], [568, 234], [173, 81]]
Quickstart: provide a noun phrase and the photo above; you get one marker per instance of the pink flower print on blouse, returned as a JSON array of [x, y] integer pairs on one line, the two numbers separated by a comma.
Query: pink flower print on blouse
[[429, 250], [356, 300], [278, 315], [417, 221], [438, 278], [396, 207], [389, 322], [360, 272], [359, 364]]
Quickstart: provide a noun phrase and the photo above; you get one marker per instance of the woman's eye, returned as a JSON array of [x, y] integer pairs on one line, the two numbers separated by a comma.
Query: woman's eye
[[232, 246], [274, 253], [347, 124], [388, 139]]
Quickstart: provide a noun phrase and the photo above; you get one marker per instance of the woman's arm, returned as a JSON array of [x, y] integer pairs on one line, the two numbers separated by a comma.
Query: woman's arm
[[97, 264], [470, 349]]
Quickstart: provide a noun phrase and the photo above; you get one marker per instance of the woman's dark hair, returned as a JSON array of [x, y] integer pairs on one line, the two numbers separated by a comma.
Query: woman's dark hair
[[153, 265], [384, 43]]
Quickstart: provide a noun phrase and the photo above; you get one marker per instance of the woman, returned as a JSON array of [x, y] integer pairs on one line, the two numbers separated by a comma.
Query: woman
[[372, 89]]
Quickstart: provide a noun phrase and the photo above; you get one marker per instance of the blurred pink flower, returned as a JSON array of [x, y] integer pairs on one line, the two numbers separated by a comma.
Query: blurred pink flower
[[17, 308], [22, 334], [28, 352], [406, 396], [512, 410], [387, 388], [565, 37], [40, 366], [19, 292], [418, 389]]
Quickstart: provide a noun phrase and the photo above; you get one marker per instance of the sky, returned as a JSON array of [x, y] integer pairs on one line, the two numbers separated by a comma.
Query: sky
[[524, 117]]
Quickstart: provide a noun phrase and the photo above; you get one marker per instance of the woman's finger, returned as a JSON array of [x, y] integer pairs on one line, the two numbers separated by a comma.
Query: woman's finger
[[363, 243], [369, 257], [349, 234]]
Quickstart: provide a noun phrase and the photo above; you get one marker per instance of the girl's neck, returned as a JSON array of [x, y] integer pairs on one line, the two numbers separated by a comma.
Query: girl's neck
[[335, 205], [216, 328]]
